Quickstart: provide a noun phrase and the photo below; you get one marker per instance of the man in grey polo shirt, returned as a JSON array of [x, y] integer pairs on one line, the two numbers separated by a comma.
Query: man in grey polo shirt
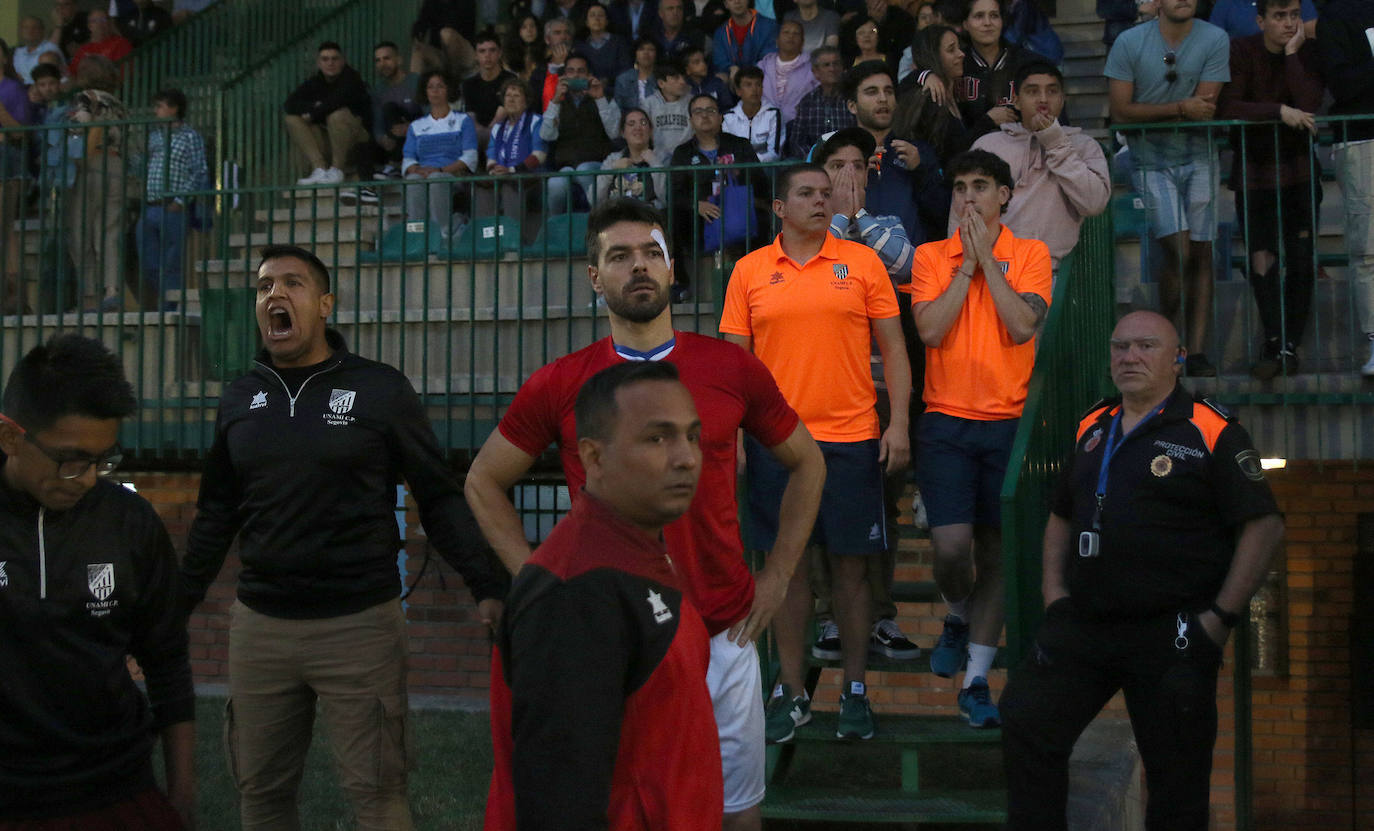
[[1172, 69]]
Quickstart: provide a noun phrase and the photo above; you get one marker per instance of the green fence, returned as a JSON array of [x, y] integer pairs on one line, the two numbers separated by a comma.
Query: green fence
[[467, 316], [1330, 338], [1070, 374], [248, 118]]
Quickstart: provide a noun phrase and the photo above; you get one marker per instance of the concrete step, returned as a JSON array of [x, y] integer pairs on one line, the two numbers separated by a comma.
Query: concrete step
[[1078, 29], [444, 284], [854, 806], [908, 731], [327, 210], [441, 284], [1090, 105], [1085, 48], [326, 233], [1076, 88], [155, 347]]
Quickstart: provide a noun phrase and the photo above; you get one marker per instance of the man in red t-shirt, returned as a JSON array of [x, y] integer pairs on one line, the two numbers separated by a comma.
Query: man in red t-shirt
[[631, 268], [106, 41]]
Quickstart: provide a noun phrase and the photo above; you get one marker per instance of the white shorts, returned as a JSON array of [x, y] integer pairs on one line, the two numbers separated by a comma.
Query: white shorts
[[737, 698]]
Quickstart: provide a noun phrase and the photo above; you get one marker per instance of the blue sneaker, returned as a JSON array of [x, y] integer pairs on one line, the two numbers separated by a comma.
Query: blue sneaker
[[975, 701], [947, 658]]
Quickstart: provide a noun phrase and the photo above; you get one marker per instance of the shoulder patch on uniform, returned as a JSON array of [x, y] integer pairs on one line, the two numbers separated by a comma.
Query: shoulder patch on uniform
[[1209, 422], [1090, 418], [1101, 402], [1249, 463], [1219, 409]]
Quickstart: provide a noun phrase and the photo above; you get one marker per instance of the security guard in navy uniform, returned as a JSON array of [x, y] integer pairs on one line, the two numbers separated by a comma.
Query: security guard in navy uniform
[[1162, 529]]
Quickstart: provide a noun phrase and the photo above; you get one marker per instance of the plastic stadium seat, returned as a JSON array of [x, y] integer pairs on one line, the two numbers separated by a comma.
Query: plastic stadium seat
[[1128, 216], [411, 241], [562, 235], [485, 238]]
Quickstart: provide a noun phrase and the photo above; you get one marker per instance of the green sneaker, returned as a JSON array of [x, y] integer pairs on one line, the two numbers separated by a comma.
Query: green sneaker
[[784, 713], [856, 718]]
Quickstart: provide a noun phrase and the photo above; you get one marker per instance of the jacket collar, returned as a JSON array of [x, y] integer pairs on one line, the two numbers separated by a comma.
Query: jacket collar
[[1178, 406], [331, 336], [601, 512]]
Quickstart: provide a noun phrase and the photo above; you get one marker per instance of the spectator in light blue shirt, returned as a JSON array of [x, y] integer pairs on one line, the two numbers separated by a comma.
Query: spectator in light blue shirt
[[439, 146], [33, 43], [1172, 69]]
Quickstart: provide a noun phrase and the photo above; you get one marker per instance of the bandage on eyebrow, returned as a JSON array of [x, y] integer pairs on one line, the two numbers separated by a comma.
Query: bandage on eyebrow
[[657, 236]]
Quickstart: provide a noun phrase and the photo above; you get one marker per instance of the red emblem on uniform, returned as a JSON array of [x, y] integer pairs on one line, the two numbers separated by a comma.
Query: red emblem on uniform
[[1091, 444]]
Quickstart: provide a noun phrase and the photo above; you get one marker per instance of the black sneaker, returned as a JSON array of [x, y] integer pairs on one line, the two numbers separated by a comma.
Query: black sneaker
[[367, 196], [1197, 366], [1270, 362], [887, 639], [827, 645]]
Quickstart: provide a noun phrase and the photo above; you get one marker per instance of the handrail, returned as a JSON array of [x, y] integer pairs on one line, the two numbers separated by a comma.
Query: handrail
[[1070, 373]]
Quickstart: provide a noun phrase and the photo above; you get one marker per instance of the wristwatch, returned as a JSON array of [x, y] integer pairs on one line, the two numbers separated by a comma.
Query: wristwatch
[[1228, 619]]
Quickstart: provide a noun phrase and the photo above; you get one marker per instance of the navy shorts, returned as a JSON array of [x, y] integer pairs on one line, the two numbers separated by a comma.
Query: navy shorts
[[960, 467], [850, 520]]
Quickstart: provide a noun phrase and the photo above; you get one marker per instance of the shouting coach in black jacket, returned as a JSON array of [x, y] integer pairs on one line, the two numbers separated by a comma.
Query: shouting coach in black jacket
[[308, 449]]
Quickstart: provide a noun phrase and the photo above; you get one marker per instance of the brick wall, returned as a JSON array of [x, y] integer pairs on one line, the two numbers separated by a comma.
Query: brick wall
[[1306, 753], [449, 647], [1303, 740]]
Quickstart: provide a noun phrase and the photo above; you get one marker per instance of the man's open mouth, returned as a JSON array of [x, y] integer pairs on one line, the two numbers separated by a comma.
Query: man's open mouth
[[279, 324]]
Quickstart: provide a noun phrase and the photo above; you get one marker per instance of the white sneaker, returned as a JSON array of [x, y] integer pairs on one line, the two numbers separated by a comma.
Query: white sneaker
[[332, 176], [316, 177], [1368, 369]]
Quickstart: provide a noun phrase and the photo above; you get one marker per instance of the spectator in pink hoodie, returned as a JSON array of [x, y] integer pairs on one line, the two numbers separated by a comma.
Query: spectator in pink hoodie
[[1061, 174]]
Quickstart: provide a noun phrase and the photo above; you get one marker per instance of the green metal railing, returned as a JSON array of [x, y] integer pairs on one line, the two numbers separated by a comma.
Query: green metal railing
[[1070, 374], [467, 317], [248, 118], [1333, 347], [215, 45]]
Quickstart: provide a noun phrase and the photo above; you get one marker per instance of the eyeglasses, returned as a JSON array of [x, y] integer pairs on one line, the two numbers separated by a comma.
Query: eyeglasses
[[1170, 59], [74, 467], [69, 465]]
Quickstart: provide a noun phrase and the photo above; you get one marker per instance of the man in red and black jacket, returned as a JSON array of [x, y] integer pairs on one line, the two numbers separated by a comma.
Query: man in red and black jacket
[[600, 713]]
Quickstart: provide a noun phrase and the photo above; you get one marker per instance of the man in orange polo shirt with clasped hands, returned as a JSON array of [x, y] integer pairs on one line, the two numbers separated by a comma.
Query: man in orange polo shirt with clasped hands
[[978, 299], [808, 306]]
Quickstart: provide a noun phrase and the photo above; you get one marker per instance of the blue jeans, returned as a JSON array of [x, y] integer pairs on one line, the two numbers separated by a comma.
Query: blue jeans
[[558, 188], [161, 242]]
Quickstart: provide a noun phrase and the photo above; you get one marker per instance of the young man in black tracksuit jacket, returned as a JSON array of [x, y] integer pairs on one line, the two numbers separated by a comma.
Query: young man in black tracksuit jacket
[[87, 577], [308, 449]]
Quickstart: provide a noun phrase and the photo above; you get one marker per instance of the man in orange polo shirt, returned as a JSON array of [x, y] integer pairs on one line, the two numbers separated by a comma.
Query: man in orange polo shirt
[[808, 306], [978, 298]]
